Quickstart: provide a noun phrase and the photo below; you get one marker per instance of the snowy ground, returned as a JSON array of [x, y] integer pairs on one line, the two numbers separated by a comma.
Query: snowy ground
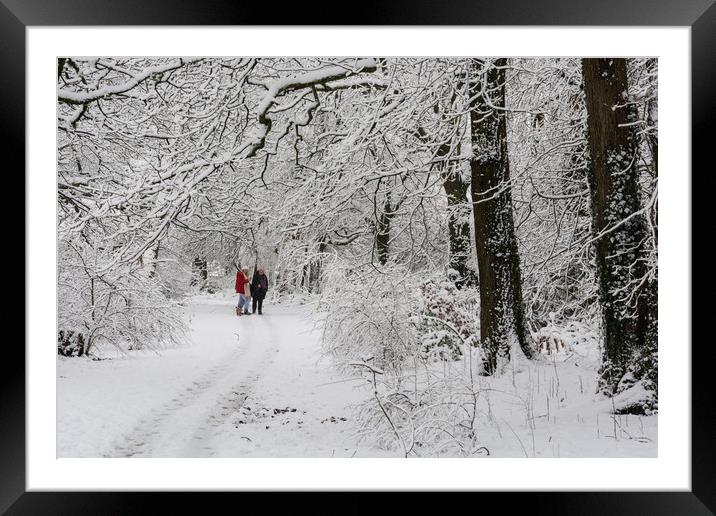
[[248, 387], [257, 387], [547, 408]]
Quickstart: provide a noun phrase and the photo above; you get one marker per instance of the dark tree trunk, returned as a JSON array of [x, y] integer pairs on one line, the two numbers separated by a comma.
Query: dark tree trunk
[[651, 121], [60, 66], [305, 282], [315, 279], [382, 236], [199, 271], [458, 220], [459, 211], [629, 316], [153, 271], [459, 229], [502, 319]]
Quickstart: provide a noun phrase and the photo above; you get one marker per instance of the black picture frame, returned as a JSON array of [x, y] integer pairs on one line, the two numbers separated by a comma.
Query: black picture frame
[[700, 15]]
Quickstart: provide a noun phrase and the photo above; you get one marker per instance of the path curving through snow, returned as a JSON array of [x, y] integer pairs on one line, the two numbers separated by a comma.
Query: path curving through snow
[[250, 386]]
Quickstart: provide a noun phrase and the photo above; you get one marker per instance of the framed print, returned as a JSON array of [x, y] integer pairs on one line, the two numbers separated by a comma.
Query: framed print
[[270, 263]]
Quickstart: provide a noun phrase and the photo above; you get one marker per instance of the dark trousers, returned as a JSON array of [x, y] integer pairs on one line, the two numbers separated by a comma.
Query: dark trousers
[[254, 302]]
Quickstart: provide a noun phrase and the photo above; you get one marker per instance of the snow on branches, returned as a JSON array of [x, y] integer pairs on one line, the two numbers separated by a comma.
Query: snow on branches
[[350, 179]]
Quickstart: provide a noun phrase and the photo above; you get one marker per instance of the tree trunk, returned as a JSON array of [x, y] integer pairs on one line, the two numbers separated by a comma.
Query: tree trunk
[[153, 271], [459, 210], [458, 223], [652, 121], [502, 320], [305, 282], [316, 269], [382, 237], [199, 271], [629, 316]]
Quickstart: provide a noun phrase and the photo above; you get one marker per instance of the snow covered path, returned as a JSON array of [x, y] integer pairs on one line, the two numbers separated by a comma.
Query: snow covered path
[[249, 386]]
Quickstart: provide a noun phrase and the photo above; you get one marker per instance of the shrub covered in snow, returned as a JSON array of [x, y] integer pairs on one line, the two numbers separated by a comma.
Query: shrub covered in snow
[[571, 336], [431, 410], [368, 316], [413, 340], [123, 307], [448, 318]]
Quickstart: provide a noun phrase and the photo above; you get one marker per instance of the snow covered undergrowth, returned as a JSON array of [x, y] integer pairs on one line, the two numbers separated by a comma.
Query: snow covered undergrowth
[[535, 408], [247, 387], [548, 408], [257, 387]]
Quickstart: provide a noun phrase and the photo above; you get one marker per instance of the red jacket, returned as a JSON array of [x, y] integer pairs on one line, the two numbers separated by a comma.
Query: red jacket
[[241, 283]]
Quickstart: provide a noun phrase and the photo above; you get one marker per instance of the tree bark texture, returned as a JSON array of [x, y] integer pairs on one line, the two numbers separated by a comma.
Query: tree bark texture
[[502, 321], [628, 299]]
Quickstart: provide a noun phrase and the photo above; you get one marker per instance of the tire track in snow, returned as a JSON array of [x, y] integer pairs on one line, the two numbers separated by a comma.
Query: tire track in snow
[[200, 442], [148, 427], [185, 426]]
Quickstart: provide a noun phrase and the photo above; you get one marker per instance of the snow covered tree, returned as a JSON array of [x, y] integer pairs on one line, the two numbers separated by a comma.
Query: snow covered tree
[[448, 132], [628, 293]]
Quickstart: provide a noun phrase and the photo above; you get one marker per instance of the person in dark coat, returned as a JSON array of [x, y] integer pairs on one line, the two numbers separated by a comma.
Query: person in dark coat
[[259, 287]]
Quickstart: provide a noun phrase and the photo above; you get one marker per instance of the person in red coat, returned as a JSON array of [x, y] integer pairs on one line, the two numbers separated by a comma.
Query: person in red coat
[[243, 289]]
